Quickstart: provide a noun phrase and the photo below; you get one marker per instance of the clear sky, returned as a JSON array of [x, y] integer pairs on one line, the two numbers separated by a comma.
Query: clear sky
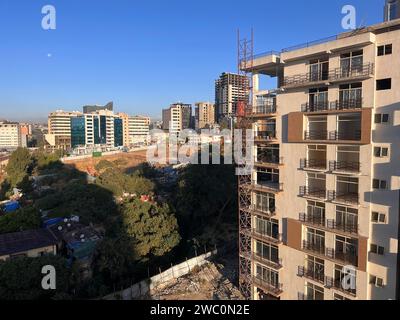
[[144, 55]]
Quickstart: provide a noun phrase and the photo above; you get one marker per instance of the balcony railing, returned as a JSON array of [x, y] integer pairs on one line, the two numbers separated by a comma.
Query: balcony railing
[[316, 135], [267, 186], [316, 164], [263, 212], [336, 74], [344, 197], [346, 104], [337, 105], [268, 238], [314, 247], [312, 219], [276, 264], [269, 287], [350, 228], [346, 166], [344, 257], [311, 274], [345, 136], [265, 136], [269, 159], [264, 109], [338, 285], [312, 192]]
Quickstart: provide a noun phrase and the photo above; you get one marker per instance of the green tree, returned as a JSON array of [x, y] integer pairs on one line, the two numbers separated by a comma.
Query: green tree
[[19, 166], [27, 218], [152, 227], [103, 165], [20, 279]]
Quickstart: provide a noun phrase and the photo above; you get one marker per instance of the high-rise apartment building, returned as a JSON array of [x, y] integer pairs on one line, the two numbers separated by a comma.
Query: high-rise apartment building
[[10, 135], [230, 89], [139, 130], [319, 214], [204, 115], [177, 117]]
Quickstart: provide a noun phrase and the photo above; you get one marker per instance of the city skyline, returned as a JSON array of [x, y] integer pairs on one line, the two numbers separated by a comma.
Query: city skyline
[[94, 53]]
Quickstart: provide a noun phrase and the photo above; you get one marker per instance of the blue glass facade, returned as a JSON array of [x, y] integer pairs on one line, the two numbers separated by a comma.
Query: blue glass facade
[[78, 132], [118, 133]]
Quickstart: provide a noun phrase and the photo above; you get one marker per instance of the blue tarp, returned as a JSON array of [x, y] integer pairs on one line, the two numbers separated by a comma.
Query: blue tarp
[[11, 206], [52, 222]]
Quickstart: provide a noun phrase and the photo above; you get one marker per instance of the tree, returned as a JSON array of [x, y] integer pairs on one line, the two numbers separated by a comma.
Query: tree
[[19, 166], [103, 165], [27, 218], [152, 227], [21, 278]]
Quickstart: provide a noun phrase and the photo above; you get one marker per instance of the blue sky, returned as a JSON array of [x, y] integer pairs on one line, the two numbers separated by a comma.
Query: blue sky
[[144, 55]]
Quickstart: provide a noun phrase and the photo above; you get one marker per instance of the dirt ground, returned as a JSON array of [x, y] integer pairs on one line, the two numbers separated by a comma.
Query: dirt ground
[[130, 160], [209, 282]]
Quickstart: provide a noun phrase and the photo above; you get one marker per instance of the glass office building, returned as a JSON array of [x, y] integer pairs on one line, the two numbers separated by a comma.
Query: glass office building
[[118, 133], [78, 132]]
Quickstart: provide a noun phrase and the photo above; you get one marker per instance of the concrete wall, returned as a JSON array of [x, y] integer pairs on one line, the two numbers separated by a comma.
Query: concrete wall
[[145, 287]]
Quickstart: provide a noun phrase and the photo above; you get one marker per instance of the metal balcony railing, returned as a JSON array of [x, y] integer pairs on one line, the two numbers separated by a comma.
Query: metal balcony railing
[[337, 284], [270, 212], [345, 136], [264, 109], [315, 275], [313, 164], [316, 135], [269, 159], [312, 219], [273, 263], [336, 74], [346, 104], [346, 166], [312, 192], [337, 105], [268, 186], [351, 228], [271, 288], [348, 258], [314, 247], [265, 135], [277, 239], [344, 197]]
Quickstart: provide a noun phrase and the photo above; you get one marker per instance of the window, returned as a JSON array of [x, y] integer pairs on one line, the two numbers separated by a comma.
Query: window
[[265, 202], [267, 252], [378, 217], [377, 249], [381, 118], [351, 62], [339, 297], [385, 50], [381, 152], [377, 282], [379, 184], [267, 275], [267, 227], [350, 279], [384, 84], [314, 292]]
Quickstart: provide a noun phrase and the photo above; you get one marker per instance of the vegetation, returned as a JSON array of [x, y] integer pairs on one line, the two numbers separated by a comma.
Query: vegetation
[[18, 167], [21, 278], [27, 218]]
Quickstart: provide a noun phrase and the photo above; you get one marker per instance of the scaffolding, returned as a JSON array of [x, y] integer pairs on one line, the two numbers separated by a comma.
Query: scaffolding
[[244, 122]]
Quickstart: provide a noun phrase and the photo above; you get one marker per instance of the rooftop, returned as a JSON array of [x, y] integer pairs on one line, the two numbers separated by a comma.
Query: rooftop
[[18, 242]]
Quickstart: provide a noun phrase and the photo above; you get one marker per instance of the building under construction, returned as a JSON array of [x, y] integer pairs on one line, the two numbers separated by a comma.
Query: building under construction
[[319, 211]]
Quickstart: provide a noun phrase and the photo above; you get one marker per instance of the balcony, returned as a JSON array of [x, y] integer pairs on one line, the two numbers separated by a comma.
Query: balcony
[[350, 135], [345, 197], [274, 289], [315, 220], [268, 160], [345, 166], [307, 192], [275, 264], [333, 75], [264, 110], [311, 274], [338, 285], [312, 164], [315, 135], [349, 228], [314, 248], [262, 236], [337, 105], [343, 257], [265, 187], [257, 210], [265, 136]]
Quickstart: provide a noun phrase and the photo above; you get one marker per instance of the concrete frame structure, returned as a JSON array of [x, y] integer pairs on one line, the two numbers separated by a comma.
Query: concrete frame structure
[[324, 193]]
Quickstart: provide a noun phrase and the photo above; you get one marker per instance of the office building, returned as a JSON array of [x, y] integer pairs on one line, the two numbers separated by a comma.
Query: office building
[[59, 129], [139, 130], [178, 117], [319, 213], [10, 135]]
